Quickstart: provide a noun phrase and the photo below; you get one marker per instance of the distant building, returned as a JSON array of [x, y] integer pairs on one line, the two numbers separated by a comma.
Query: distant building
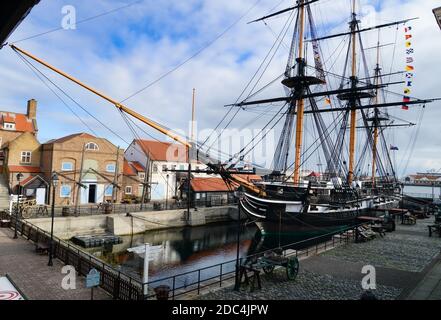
[[22, 156], [134, 175], [160, 157], [428, 178], [13, 124], [87, 159]]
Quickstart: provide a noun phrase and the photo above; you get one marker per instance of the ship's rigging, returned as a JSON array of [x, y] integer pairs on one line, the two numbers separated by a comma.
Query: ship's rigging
[[302, 100]]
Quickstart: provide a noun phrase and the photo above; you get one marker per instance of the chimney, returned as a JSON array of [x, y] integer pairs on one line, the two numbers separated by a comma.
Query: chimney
[[32, 109]]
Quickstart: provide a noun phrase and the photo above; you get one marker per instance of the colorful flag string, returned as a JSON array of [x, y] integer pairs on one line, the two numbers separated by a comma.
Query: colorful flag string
[[409, 67]]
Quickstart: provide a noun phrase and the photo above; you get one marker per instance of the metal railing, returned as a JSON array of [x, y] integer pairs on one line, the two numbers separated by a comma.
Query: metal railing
[[41, 211], [118, 284], [125, 287], [196, 280]]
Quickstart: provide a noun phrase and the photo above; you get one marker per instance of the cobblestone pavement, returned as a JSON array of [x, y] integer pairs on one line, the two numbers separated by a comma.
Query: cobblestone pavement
[[408, 249], [307, 286], [33, 277], [401, 260]]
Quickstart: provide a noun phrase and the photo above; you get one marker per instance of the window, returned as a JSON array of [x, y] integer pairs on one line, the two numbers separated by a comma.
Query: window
[[9, 126], [91, 146], [26, 157], [181, 167], [65, 191], [66, 166], [155, 168], [108, 191], [110, 167], [141, 175], [174, 167], [128, 190], [164, 167]]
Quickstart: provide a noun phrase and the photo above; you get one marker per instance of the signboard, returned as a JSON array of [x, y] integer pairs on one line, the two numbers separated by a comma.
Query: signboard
[[93, 278], [8, 291], [150, 253], [437, 13], [153, 251]]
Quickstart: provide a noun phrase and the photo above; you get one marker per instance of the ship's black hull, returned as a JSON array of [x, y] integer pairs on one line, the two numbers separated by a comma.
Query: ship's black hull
[[284, 216]]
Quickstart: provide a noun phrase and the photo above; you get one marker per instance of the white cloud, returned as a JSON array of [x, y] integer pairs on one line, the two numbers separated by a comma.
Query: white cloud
[[91, 53]]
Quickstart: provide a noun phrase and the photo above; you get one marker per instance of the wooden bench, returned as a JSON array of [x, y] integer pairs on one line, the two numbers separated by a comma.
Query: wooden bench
[[244, 269], [42, 247], [381, 230], [363, 234], [408, 219], [434, 228]]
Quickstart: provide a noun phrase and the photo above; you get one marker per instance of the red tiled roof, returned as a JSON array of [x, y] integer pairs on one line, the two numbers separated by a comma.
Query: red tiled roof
[[138, 167], [209, 185], [163, 151], [30, 178], [128, 169], [24, 169], [22, 122], [71, 136]]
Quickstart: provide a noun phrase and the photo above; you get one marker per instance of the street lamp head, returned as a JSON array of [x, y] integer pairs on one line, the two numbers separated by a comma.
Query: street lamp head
[[54, 179], [19, 176]]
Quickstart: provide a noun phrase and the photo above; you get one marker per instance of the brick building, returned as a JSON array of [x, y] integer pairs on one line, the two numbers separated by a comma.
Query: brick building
[[86, 159], [158, 157]]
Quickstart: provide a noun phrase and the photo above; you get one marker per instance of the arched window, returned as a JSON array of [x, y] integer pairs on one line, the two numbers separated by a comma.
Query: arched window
[[91, 146]]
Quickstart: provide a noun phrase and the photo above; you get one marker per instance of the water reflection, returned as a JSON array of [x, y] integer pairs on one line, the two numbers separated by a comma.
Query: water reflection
[[184, 249], [192, 248]]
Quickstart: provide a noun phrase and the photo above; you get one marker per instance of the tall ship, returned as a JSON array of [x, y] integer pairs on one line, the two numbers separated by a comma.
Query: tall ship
[[338, 117], [348, 113]]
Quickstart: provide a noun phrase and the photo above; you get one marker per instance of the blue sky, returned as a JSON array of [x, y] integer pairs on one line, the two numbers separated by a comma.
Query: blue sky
[[122, 52]]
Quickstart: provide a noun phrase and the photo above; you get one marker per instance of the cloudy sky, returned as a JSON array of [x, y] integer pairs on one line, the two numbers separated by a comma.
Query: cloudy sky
[[125, 50]]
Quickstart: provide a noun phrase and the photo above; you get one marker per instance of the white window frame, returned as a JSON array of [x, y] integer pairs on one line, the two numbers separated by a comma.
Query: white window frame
[[142, 175], [61, 191], [128, 188], [24, 154], [95, 148], [67, 162], [106, 190], [111, 164], [155, 168], [9, 126]]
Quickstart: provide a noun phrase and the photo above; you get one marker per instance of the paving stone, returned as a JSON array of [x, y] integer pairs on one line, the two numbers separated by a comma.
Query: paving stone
[[33, 276]]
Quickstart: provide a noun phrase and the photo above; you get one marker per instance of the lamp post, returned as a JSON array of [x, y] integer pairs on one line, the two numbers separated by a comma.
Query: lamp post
[[19, 176], [166, 196], [239, 196], [54, 179]]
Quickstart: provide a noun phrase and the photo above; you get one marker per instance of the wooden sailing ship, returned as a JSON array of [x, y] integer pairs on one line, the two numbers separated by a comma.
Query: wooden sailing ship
[[283, 198]]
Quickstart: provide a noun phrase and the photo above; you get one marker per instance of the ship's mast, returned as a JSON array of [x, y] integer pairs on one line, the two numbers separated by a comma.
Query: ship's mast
[[301, 102], [353, 100], [375, 123]]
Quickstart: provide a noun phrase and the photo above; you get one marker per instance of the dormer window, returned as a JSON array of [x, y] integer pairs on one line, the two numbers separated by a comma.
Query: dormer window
[[91, 146], [9, 126]]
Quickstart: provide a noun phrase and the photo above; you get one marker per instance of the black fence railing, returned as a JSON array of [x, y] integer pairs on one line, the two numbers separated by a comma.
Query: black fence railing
[[119, 285], [125, 287], [41, 211], [219, 274]]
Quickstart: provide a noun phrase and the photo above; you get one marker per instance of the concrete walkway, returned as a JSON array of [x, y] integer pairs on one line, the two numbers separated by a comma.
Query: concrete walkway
[[407, 265], [430, 287], [33, 277]]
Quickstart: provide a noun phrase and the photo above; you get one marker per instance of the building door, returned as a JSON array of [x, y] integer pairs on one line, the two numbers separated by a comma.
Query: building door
[[41, 195], [92, 193]]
